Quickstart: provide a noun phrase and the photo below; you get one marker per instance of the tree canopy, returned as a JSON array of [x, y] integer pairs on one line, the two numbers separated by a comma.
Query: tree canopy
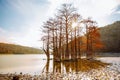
[[64, 33]]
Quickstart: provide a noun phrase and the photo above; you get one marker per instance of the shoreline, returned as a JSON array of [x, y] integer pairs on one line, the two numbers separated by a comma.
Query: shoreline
[[95, 74], [110, 72]]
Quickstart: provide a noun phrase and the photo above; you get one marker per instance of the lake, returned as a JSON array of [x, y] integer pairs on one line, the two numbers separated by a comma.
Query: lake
[[28, 63], [36, 64]]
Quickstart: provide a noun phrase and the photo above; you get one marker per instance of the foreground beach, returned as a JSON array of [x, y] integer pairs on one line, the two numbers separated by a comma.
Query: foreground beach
[[108, 73]]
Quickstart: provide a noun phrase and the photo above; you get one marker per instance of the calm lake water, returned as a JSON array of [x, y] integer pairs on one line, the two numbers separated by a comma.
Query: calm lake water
[[36, 64], [32, 64]]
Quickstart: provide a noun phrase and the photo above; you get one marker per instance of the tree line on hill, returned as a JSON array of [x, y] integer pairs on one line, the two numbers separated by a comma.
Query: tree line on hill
[[17, 49], [110, 36]]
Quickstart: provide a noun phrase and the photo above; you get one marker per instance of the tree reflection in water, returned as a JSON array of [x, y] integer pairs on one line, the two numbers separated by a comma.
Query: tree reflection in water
[[72, 66]]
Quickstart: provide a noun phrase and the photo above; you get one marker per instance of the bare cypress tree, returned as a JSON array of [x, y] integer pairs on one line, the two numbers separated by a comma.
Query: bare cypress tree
[[60, 35], [90, 31], [76, 19], [66, 12], [46, 40], [52, 27]]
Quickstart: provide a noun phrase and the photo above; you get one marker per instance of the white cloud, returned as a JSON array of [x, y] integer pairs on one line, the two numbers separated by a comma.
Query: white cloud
[[118, 1], [36, 13], [4, 36], [34, 16], [99, 10]]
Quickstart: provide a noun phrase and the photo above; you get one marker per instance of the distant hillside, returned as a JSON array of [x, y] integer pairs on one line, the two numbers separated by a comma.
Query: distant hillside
[[110, 36], [17, 49]]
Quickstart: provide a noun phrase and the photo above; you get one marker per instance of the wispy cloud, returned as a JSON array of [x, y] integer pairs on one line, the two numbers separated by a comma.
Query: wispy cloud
[[35, 14], [32, 14], [99, 10], [4, 36]]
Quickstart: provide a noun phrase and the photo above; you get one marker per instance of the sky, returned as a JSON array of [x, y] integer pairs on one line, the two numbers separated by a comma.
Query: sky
[[21, 20]]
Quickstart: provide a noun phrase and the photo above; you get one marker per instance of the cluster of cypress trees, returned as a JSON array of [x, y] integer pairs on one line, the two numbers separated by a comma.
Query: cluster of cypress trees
[[68, 34]]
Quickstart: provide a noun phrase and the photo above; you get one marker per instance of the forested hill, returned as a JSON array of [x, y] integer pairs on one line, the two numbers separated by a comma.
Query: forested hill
[[110, 36], [17, 49]]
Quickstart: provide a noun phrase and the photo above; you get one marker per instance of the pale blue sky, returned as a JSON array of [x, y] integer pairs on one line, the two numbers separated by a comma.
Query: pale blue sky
[[21, 20]]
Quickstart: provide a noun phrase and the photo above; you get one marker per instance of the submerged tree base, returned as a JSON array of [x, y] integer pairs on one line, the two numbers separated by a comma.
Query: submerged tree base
[[64, 60], [76, 65]]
